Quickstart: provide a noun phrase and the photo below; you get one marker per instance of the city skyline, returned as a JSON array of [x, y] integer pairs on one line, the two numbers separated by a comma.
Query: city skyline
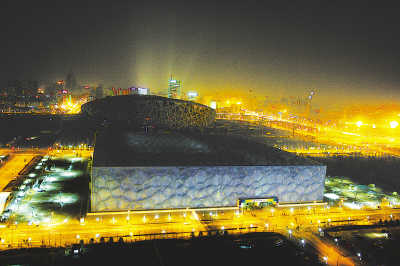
[[347, 53]]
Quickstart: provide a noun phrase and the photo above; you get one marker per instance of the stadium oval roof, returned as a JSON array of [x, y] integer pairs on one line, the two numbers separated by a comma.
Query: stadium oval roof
[[138, 110]]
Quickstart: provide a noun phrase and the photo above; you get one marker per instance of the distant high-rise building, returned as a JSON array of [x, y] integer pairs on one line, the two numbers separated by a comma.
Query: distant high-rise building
[[60, 85], [22, 87], [99, 92], [70, 82], [174, 88]]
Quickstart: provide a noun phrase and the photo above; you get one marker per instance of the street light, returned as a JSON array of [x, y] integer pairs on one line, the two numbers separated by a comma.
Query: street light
[[394, 124]]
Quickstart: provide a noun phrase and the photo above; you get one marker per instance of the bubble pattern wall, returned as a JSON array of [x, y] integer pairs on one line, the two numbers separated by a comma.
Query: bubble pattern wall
[[148, 188]]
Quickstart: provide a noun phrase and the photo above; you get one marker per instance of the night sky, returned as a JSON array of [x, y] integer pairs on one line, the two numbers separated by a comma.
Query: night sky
[[347, 53]]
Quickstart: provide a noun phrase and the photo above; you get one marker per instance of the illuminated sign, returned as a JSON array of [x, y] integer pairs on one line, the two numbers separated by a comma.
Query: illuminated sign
[[143, 91], [192, 94], [258, 202], [140, 91]]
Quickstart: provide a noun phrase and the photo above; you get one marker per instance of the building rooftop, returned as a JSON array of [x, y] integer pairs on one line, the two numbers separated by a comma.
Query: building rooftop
[[121, 148]]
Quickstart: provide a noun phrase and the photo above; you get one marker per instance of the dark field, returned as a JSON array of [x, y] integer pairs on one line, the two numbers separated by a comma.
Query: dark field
[[376, 246], [21, 127], [383, 172], [42, 131], [250, 249]]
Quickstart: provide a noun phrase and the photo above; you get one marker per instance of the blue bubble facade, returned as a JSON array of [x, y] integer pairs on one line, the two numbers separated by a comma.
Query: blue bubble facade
[[151, 188]]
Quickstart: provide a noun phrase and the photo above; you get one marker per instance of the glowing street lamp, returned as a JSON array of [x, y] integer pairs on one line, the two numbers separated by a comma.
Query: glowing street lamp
[[359, 123], [394, 124]]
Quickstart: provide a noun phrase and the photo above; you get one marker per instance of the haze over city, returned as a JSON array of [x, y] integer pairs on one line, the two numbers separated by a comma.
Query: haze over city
[[347, 52]]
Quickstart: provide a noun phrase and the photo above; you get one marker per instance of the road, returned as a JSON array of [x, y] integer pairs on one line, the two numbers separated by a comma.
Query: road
[[332, 254], [13, 166], [134, 226]]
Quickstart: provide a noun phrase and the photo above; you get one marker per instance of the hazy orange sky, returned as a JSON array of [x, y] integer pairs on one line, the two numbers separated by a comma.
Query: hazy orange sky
[[347, 53]]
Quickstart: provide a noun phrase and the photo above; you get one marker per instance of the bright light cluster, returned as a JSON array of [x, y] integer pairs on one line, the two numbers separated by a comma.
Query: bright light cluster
[[355, 196]]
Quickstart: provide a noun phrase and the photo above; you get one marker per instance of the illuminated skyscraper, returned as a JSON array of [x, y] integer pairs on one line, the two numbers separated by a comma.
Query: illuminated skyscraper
[[174, 88]]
